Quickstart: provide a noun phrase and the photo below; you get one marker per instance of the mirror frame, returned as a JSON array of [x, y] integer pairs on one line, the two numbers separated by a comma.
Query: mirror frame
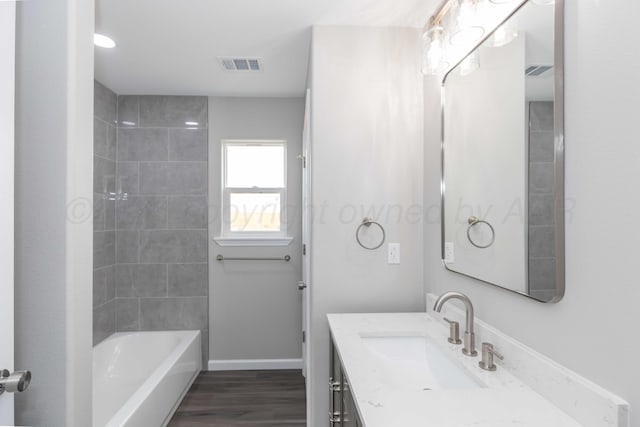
[[558, 131]]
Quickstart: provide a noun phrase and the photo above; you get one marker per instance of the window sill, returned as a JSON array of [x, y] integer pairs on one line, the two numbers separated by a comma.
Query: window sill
[[253, 241]]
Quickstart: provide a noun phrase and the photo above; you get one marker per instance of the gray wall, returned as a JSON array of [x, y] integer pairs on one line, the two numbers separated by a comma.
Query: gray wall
[[542, 261], [590, 330], [367, 149], [53, 188], [104, 212], [161, 237], [255, 308]]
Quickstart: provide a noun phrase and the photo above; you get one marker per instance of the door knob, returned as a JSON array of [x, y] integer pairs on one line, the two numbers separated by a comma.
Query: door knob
[[16, 382], [301, 285]]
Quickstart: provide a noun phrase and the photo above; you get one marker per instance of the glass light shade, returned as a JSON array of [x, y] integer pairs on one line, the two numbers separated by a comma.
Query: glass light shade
[[466, 23], [502, 36], [469, 64], [434, 56]]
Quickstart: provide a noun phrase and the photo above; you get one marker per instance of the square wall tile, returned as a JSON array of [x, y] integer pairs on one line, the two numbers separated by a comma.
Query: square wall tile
[[104, 103], [109, 214], [541, 147], [173, 178], [127, 314], [541, 241], [158, 314], [100, 138], [104, 248], [541, 209], [188, 212], [128, 110], [188, 144], [104, 321], [128, 246], [541, 116], [141, 280], [173, 111], [541, 178], [98, 212], [188, 280], [173, 246], [128, 176], [143, 144], [542, 274], [141, 212], [112, 133], [104, 175]]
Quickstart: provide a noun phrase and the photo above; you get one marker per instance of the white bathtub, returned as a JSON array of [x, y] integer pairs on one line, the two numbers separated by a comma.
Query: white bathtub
[[139, 378]]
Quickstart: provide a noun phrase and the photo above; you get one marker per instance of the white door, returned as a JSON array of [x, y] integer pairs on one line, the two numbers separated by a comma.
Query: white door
[[7, 85], [306, 237]]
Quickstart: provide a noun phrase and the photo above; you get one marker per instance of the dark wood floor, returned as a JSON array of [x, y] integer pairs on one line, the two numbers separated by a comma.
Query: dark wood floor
[[244, 398]]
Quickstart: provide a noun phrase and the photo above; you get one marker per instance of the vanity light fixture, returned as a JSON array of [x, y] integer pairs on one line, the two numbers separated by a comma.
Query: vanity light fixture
[[101, 40], [457, 25], [191, 123]]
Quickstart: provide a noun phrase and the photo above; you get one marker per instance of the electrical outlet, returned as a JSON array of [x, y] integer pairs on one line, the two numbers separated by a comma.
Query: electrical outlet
[[393, 253], [449, 253]]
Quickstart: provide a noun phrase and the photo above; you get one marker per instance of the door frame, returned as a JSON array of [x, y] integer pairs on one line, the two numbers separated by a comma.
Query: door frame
[[7, 165], [306, 242], [7, 152]]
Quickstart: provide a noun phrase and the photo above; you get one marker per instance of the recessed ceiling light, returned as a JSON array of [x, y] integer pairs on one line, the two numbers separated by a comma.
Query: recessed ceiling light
[[191, 123], [101, 40]]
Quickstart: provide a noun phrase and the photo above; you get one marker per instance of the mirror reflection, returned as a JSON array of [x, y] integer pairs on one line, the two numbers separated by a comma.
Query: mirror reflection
[[501, 179]]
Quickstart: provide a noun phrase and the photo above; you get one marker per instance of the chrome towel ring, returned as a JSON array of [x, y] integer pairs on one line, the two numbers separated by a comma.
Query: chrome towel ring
[[473, 221], [367, 223]]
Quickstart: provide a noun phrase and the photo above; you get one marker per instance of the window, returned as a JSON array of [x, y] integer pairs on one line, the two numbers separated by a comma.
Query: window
[[254, 188]]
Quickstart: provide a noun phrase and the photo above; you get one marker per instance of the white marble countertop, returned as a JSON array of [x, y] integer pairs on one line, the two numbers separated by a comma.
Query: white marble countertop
[[505, 401]]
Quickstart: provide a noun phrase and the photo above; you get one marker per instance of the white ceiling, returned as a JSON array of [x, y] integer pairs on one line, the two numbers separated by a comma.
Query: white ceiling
[[171, 46]]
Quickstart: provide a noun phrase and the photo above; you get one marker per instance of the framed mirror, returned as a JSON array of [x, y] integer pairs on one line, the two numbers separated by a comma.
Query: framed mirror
[[503, 156]]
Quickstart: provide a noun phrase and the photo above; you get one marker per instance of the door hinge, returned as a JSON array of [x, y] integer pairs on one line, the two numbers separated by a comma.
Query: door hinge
[[304, 249]]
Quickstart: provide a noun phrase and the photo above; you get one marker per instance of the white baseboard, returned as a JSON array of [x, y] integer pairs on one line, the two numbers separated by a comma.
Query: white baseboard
[[254, 364]]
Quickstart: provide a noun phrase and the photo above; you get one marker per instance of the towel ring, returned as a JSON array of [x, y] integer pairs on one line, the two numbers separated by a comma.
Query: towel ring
[[473, 221], [367, 223]]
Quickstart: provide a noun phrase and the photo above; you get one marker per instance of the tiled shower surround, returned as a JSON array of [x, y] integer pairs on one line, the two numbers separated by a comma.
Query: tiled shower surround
[[104, 212], [542, 261], [161, 214]]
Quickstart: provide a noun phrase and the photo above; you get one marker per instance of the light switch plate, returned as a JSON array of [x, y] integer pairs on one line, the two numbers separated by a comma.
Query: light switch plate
[[393, 253]]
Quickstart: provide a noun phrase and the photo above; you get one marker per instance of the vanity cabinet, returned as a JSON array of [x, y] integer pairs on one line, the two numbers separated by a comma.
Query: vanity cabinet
[[342, 408]]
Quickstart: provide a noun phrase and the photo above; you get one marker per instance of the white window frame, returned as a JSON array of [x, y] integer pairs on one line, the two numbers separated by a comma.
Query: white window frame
[[252, 238]]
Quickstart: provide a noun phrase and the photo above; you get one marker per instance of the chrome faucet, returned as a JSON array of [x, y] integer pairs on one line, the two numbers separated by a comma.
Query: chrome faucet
[[469, 336]]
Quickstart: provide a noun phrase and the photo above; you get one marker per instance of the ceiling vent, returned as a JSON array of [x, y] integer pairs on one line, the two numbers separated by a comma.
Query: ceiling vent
[[537, 70], [240, 64]]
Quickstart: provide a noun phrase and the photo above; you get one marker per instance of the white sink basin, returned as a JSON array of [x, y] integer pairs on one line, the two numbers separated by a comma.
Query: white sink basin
[[415, 362]]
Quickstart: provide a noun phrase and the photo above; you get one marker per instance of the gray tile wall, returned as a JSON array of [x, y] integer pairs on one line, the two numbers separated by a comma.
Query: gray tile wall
[[542, 262], [104, 212], [161, 279]]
